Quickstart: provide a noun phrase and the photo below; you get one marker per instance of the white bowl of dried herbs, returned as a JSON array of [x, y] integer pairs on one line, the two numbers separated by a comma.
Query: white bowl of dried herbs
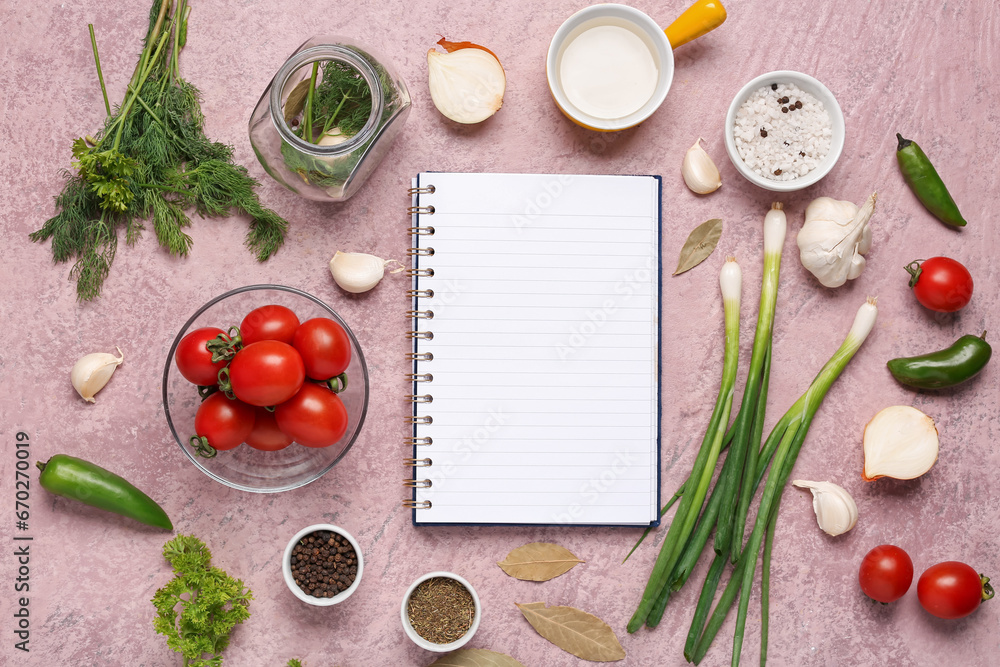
[[322, 565], [440, 612]]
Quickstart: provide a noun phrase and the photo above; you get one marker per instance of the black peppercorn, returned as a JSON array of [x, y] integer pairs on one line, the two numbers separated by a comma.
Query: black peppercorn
[[798, 104], [784, 109], [763, 132], [777, 172], [774, 86]]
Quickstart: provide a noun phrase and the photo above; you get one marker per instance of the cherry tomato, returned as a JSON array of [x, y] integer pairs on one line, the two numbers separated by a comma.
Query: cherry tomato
[[267, 372], [952, 589], [325, 348], [224, 422], [266, 435], [271, 322], [194, 361], [941, 284], [314, 417], [886, 573]]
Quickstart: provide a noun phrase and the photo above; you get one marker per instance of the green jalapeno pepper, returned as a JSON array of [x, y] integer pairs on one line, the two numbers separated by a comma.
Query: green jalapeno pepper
[[944, 368], [923, 179], [92, 485]]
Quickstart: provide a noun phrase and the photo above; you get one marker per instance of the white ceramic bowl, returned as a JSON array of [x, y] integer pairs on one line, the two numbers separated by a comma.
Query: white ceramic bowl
[[431, 646], [623, 16], [286, 566], [814, 88]]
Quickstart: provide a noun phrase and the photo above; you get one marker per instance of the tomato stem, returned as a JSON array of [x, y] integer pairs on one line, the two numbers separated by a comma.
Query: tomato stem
[[201, 447], [337, 383], [225, 346], [913, 268], [987, 587]]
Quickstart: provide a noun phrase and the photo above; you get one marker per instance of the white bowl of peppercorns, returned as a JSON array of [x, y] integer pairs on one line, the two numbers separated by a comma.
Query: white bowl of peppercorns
[[322, 565]]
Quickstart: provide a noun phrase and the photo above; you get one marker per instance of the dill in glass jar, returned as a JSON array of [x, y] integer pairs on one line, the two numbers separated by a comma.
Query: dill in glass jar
[[328, 118]]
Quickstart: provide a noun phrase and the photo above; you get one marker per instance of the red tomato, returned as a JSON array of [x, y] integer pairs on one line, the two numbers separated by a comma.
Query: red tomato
[[314, 417], [952, 589], [325, 348], [194, 361], [267, 372], [886, 573], [941, 284], [225, 423], [272, 322], [266, 436]]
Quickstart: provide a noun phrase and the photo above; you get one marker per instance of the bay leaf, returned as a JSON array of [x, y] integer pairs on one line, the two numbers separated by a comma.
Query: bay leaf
[[296, 100], [574, 631], [538, 561], [699, 245], [475, 657]]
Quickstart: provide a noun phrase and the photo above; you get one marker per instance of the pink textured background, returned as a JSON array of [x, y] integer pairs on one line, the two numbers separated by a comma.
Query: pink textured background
[[925, 69]]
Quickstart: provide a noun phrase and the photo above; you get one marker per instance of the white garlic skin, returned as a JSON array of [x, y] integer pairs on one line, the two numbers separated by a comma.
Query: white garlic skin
[[834, 239], [92, 372], [357, 272], [900, 442], [836, 511], [700, 173]]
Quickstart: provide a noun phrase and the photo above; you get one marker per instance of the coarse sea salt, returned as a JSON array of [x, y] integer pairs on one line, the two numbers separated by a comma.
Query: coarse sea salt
[[782, 132]]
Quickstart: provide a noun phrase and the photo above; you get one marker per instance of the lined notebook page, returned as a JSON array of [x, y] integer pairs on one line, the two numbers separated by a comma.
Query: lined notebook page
[[545, 346]]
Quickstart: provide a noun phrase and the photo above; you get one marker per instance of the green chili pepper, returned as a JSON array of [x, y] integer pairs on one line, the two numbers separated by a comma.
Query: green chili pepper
[[923, 179], [92, 485], [944, 368]]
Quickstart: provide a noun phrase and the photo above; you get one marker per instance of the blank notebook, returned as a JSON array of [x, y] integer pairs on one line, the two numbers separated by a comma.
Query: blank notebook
[[535, 331]]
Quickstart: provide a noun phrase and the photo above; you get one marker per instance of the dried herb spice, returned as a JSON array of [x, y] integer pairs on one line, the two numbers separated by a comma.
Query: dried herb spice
[[441, 610], [324, 563]]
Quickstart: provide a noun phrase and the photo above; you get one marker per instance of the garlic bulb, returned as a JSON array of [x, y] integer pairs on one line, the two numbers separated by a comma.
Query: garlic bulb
[[700, 173], [836, 511], [358, 272], [467, 83], [332, 137], [900, 442], [835, 238], [92, 372]]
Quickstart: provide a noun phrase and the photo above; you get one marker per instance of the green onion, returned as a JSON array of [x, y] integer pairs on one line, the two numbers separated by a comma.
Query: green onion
[[696, 488], [731, 522], [791, 429]]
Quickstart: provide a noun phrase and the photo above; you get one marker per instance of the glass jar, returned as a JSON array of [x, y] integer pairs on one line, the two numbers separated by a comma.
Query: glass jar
[[348, 140]]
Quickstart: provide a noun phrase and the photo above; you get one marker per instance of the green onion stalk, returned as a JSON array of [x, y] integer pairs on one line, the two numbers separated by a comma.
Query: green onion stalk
[[696, 488], [789, 434], [736, 494]]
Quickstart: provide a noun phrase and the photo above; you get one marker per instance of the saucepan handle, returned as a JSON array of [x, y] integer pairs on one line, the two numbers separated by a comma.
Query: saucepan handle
[[698, 19]]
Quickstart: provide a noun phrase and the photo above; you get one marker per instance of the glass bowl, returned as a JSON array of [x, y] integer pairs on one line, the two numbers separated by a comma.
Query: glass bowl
[[246, 468]]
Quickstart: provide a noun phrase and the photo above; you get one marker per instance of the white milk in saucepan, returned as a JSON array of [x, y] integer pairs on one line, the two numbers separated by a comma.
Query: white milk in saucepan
[[608, 69]]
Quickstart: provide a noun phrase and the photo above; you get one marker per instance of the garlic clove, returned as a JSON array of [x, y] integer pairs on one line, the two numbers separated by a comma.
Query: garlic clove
[[332, 137], [836, 511], [900, 442], [357, 272], [700, 173], [467, 83], [92, 372]]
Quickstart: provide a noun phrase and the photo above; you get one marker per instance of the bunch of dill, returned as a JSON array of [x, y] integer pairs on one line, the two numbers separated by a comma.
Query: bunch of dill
[[151, 161]]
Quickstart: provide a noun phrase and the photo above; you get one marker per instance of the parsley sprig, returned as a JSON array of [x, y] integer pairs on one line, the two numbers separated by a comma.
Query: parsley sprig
[[198, 609]]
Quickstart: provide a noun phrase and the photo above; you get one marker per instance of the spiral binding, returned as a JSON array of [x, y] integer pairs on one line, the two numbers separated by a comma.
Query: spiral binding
[[417, 314], [417, 504], [417, 463]]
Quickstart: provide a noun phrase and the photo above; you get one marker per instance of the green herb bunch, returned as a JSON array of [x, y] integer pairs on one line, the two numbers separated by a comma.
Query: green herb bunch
[[211, 604], [334, 100], [151, 161]]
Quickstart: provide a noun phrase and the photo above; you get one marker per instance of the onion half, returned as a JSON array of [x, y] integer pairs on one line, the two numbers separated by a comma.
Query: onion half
[[467, 81]]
